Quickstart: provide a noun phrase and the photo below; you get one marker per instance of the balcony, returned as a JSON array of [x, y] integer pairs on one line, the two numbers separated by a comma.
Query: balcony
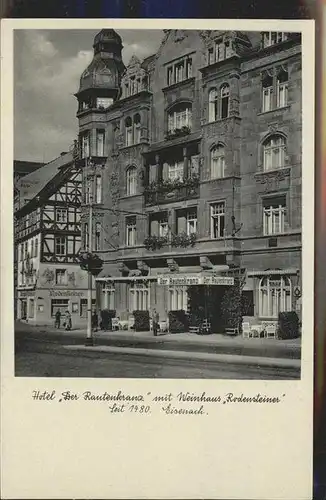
[[167, 191]]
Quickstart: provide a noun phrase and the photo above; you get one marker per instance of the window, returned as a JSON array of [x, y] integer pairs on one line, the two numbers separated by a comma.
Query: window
[[32, 248], [274, 296], [138, 297], [274, 214], [270, 38], [192, 221], [36, 247], [85, 145], [178, 298], [131, 231], [59, 305], [74, 307], [181, 116], [61, 215], [282, 89], [137, 130], [26, 250], [100, 137], [128, 124], [60, 245], [217, 220], [225, 96], [163, 226], [86, 237], [31, 309], [108, 297], [60, 276], [213, 106], [274, 149], [131, 181], [97, 236], [98, 189], [180, 71], [217, 162], [267, 93], [175, 171], [104, 102]]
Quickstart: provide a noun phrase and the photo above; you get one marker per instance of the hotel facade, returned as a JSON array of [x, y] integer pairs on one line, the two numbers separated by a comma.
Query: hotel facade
[[192, 161]]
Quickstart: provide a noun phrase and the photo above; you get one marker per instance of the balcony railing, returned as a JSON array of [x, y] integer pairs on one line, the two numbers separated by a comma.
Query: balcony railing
[[167, 191], [178, 132]]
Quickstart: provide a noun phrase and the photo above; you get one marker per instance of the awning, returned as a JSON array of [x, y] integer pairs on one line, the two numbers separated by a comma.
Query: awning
[[268, 272]]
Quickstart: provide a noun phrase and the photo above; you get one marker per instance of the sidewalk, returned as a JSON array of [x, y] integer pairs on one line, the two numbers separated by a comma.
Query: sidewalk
[[181, 344]]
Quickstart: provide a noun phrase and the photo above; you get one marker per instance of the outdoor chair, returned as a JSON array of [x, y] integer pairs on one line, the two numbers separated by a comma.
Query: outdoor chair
[[255, 331], [246, 330], [270, 330]]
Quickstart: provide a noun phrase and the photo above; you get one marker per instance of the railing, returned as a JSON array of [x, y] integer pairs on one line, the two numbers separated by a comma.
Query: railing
[[168, 191]]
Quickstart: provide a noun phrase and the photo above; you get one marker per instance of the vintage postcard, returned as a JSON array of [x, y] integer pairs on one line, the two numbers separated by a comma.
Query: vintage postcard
[[157, 253]]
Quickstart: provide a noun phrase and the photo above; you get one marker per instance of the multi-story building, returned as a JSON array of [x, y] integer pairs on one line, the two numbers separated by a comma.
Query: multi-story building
[[195, 168], [47, 242]]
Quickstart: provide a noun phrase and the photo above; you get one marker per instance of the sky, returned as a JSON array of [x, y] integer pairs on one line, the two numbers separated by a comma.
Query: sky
[[47, 68]]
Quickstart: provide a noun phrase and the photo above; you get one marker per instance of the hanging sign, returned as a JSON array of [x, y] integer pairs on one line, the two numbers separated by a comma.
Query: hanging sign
[[193, 279]]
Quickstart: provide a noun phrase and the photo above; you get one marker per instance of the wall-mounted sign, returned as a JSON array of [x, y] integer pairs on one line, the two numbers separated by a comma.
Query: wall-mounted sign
[[66, 293], [193, 279]]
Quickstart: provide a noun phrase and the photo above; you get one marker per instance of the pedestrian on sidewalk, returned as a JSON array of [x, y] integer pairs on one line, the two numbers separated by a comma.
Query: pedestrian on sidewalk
[[67, 321], [155, 320], [57, 319]]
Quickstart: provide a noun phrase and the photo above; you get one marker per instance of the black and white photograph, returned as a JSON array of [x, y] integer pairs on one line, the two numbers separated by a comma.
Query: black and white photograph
[[158, 203]]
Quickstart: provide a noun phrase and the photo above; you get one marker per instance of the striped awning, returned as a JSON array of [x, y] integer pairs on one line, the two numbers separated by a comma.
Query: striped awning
[[274, 272]]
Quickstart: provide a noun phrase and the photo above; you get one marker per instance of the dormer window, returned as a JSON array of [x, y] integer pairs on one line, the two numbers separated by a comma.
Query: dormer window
[[270, 38], [179, 71]]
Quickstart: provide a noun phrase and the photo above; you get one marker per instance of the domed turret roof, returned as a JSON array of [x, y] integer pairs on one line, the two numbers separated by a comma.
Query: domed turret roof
[[104, 72]]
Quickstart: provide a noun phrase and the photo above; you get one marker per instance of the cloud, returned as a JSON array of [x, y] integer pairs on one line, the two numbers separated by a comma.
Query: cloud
[[48, 67]]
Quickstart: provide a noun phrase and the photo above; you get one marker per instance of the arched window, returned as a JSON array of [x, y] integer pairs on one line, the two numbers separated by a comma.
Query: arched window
[[128, 126], [180, 116], [213, 106], [225, 98], [131, 181], [217, 162], [137, 129], [274, 149], [274, 295], [267, 84]]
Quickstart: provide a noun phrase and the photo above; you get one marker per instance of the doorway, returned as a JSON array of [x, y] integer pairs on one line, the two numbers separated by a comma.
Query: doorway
[[205, 303], [23, 309]]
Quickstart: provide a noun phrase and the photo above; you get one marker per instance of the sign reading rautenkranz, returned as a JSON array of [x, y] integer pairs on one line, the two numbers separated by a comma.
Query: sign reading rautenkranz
[[193, 279]]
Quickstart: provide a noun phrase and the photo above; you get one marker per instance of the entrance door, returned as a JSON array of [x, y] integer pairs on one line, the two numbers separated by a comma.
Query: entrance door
[[205, 303], [23, 310]]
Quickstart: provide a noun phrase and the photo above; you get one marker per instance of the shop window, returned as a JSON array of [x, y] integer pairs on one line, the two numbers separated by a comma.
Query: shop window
[[274, 150], [217, 220], [217, 158], [178, 298], [131, 181], [131, 231], [274, 215], [138, 297], [274, 296], [59, 305], [61, 277]]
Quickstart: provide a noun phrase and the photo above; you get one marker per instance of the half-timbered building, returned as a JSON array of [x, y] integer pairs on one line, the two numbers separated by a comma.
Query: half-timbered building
[[47, 238]]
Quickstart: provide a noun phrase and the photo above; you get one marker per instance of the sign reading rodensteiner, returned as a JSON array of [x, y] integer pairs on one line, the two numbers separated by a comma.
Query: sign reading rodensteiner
[[193, 279]]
